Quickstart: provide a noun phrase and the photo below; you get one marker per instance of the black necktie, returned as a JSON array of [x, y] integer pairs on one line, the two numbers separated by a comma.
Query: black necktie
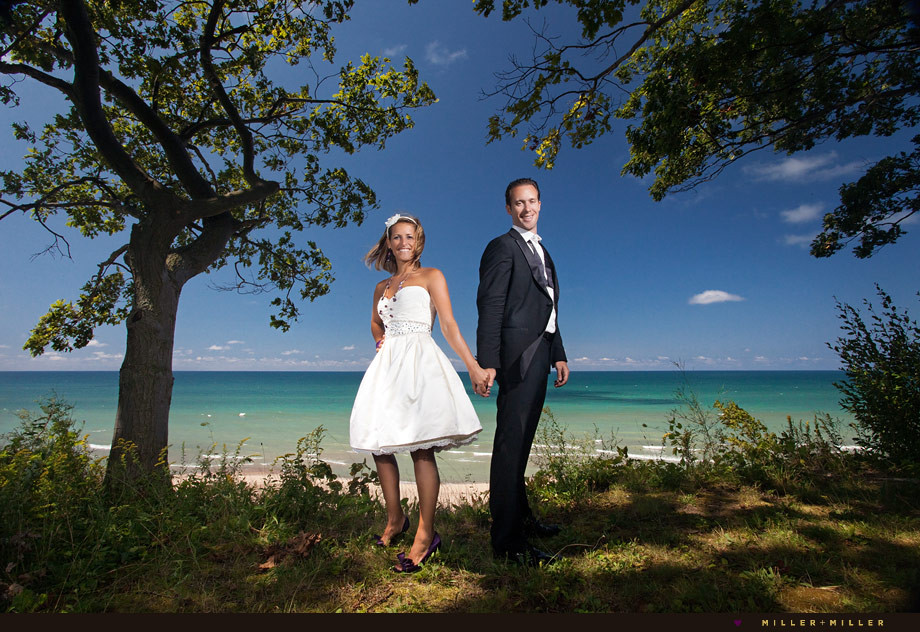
[[533, 249]]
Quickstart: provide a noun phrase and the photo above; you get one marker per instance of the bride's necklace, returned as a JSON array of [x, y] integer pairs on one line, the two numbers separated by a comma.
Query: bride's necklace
[[398, 287]]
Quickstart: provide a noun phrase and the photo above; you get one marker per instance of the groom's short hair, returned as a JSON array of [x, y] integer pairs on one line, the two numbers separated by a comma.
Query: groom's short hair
[[520, 182]]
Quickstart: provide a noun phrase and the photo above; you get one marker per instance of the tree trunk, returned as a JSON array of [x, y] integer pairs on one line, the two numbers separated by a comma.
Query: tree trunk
[[146, 380]]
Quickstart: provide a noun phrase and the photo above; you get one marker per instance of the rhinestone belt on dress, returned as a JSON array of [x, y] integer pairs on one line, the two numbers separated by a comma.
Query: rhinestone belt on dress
[[403, 327]]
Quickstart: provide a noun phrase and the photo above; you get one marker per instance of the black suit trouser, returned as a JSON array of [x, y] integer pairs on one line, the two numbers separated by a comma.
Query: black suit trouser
[[520, 404]]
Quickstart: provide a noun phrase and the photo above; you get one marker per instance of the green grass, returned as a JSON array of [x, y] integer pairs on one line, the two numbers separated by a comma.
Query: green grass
[[638, 537]]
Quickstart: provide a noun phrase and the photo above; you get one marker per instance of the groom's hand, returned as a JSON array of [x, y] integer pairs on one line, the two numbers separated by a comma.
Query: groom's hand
[[485, 388], [562, 374]]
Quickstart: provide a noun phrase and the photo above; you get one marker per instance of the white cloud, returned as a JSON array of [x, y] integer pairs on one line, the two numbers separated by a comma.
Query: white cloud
[[291, 352], [221, 362], [217, 348], [348, 348], [438, 54], [803, 241], [809, 168], [96, 343], [614, 363], [803, 213], [101, 355], [392, 51], [694, 362], [713, 296], [235, 342]]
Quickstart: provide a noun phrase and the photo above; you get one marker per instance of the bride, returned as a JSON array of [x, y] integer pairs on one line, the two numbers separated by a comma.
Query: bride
[[411, 398]]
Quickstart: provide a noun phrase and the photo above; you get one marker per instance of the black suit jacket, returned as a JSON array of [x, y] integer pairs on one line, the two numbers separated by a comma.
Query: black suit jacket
[[514, 305]]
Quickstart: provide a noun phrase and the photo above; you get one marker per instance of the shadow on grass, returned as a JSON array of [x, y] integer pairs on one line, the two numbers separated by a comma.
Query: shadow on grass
[[722, 550], [718, 549]]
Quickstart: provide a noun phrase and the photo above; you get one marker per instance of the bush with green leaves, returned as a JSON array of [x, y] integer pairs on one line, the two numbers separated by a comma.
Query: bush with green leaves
[[804, 453], [68, 544], [881, 359], [308, 492], [726, 442], [49, 499], [722, 444], [572, 468]]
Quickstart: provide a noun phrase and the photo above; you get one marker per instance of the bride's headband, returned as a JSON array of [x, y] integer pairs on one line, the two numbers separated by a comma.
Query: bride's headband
[[397, 218]]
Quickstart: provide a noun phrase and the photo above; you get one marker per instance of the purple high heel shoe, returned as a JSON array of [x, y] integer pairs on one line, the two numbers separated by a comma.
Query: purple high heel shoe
[[379, 539], [406, 565]]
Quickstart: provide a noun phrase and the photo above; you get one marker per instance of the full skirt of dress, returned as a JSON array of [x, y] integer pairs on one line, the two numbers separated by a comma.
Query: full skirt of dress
[[411, 398]]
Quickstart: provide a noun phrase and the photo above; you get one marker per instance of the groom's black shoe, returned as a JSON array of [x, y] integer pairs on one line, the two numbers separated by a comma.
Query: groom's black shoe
[[534, 527], [528, 556]]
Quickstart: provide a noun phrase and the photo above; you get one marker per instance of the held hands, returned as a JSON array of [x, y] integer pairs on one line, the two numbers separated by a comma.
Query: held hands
[[482, 380], [562, 374]]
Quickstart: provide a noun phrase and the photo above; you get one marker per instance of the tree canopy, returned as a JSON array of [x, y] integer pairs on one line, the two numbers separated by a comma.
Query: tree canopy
[[702, 84], [174, 118], [179, 131]]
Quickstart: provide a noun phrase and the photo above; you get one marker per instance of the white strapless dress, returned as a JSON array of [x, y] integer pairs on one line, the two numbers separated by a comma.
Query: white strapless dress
[[410, 398]]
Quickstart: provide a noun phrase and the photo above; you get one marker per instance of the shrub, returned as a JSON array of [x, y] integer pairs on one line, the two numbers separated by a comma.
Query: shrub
[[66, 545], [308, 492], [571, 468], [728, 443], [49, 489], [881, 360], [801, 455]]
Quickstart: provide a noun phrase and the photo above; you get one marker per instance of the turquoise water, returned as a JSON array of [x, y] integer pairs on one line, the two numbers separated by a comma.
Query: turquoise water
[[274, 409]]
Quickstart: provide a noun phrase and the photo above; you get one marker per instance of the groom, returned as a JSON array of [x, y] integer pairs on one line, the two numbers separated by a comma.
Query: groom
[[517, 342]]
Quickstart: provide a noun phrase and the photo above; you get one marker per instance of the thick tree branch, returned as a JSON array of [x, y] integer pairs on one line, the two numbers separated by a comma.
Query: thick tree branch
[[207, 41], [232, 200], [193, 259], [172, 144], [88, 102], [42, 77]]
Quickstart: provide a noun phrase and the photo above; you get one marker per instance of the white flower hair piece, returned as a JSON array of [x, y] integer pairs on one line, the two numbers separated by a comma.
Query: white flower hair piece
[[392, 220]]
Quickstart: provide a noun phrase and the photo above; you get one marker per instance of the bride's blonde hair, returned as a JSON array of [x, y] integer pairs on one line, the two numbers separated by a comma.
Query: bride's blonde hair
[[380, 258]]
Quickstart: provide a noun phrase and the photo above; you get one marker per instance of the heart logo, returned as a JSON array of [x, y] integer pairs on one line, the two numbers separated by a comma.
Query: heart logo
[[737, 623]]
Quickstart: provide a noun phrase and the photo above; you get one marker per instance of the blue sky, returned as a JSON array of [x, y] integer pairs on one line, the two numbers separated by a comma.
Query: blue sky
[[716, 278]]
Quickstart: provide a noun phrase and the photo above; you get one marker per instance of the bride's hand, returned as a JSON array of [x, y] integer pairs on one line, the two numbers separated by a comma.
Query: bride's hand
[[482, 381], [380, 343]]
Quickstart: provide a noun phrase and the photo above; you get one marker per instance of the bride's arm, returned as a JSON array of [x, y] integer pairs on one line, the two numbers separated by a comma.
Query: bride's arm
[[437, 288]]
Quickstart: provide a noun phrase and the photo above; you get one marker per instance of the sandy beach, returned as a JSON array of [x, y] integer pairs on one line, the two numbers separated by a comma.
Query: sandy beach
[[450, 493]]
